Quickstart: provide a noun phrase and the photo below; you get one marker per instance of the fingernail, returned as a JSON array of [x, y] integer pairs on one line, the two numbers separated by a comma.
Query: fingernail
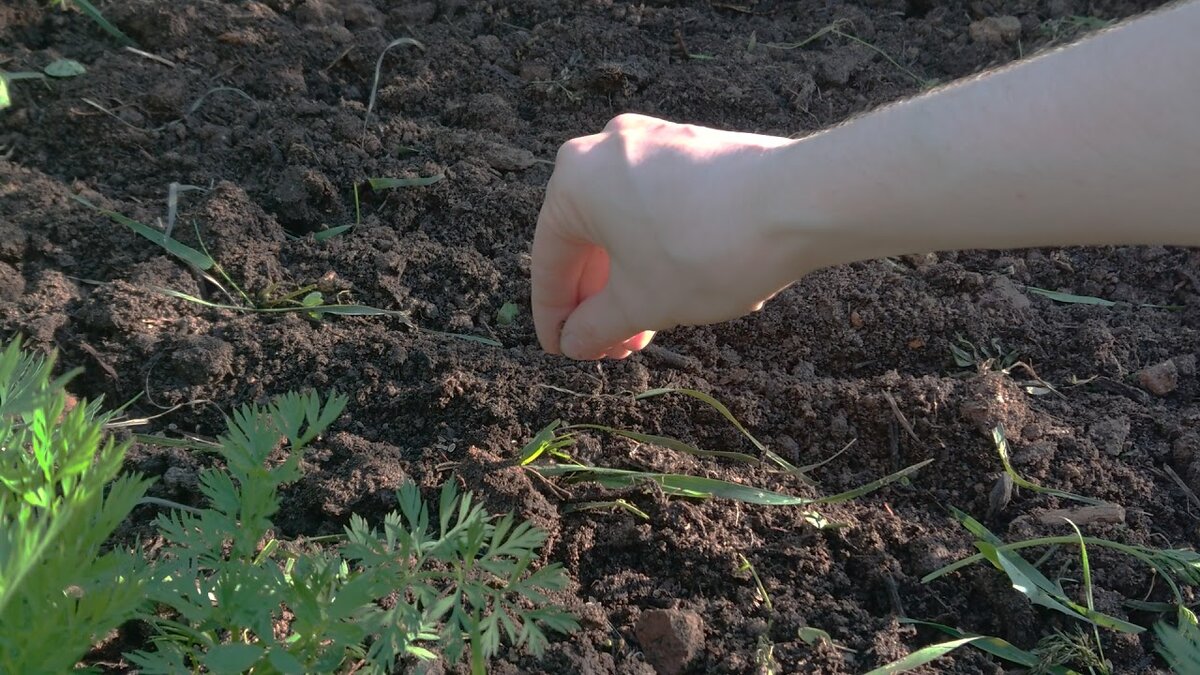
[[570, 345]]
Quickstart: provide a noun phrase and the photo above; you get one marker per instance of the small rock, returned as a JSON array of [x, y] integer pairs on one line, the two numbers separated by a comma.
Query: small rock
[[993, 399], [996, 30], [202, 359], [920, 260], [179, 477], [1186, 448], [507, 158], [489, 47], [670, 638], [318, 13], [1004, 295], [1160, 379], [1186, 364], [1110, 434], [592, 615]]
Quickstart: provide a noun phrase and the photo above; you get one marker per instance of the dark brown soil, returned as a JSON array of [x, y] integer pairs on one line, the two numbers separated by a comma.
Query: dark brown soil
[[495, 89]]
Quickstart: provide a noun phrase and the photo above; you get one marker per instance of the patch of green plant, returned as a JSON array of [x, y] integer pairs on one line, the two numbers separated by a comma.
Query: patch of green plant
[[764, 652], [242, 600], [1174, 566], [991, 356], [985, 356], [995, 646], [1001, 441], [59, 68], [1075, 648], [224, 594], [1068, 298], [307, 300], [60, 500], [507, 314], [94, 14], [1180, 645], [553, 438]]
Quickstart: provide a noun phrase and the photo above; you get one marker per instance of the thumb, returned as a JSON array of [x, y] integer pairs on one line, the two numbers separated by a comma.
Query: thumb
[[596, 325]]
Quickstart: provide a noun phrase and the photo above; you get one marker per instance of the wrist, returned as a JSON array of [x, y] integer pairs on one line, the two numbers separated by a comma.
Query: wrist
[[821, 198]]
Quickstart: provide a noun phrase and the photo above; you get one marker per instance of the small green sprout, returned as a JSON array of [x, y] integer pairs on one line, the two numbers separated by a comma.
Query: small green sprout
[[94, 14], [557, 435], [507, 314]]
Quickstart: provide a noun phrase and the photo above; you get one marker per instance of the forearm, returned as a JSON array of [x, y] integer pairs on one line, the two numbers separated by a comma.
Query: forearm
[[1095, 144]]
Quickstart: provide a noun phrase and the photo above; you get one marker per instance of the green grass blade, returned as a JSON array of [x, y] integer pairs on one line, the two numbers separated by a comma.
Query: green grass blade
[[1180, 646], [1032, 583], [94, 14], [672, 443], [465, 337], [346, 310], [1069, 298], [873, 485], [178, 249], [546, 440], [337, 310], [674, 484], [720, 408], [392, 183], [331, 232], [1001, 442], [922, 656], [5, 101], [994, 646]]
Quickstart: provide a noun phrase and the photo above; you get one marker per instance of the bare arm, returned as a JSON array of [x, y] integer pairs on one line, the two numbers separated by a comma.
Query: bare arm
[[1095, 144], [650, 225]]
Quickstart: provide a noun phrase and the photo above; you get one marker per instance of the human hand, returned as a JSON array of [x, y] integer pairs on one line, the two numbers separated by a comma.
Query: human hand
[[651, 225]]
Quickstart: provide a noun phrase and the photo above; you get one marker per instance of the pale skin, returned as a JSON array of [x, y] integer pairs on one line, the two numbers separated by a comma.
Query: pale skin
[[650, 225]]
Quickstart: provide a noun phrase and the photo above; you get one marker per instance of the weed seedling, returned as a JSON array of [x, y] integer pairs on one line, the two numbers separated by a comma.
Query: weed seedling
[[764, 653], [556, 436], [1070, 299], [1180, 645], [307, 300], [94, 14], [1001, 441], [60, 68], [378, 67]]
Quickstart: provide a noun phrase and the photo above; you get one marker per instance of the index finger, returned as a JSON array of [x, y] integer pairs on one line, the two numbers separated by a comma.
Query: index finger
[[559, 259]]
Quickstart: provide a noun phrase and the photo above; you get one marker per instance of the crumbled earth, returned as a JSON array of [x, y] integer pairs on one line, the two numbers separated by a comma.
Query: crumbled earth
[[266, 108]]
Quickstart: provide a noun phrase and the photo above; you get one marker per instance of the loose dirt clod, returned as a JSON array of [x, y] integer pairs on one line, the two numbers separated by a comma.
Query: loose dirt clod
[[670, 638], [1160, 379], [996, 30], [1110, 434]]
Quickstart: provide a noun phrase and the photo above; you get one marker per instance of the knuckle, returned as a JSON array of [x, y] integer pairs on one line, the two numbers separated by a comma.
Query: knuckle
[[626, 121]]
